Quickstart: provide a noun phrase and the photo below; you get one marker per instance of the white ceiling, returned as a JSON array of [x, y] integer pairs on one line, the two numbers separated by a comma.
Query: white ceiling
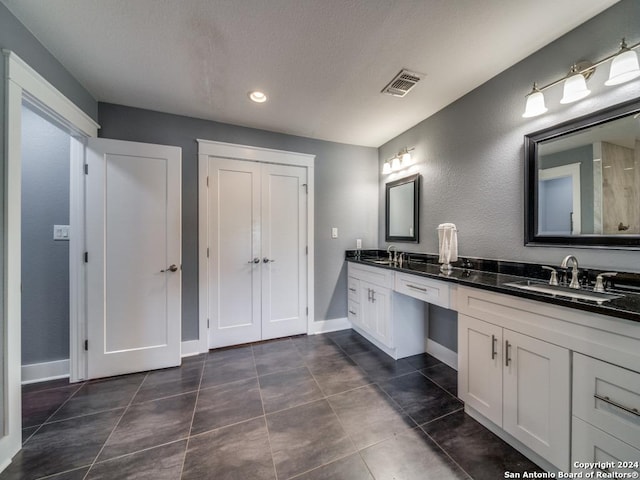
[[321, 62]]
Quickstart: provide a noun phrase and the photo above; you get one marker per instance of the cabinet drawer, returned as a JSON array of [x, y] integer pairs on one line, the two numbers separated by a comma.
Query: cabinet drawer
[[353, 289], [425, 289], [592, 445], [608, 397], [376, 275], [353, 312]]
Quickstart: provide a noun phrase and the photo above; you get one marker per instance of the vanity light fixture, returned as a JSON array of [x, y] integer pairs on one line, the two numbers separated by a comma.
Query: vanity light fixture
[[624, 67], [258, 96], [401, 160]]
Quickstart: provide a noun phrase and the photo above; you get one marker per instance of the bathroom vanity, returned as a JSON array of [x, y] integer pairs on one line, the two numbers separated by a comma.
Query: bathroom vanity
[[556, 377]]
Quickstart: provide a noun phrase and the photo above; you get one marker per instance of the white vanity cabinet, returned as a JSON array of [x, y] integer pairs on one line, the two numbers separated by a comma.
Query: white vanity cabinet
[[606, 415], [394, 323], [520, 383], [538, 371]]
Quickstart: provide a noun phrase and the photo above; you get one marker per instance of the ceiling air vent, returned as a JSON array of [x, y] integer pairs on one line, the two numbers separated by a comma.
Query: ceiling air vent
[[402, 83]]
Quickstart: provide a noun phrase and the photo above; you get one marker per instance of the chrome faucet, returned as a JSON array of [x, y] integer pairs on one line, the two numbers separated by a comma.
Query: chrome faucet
[[392, 257], [575, 283]]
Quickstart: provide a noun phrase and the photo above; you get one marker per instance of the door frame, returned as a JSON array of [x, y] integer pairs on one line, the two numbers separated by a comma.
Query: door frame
[[209, 148], [571, 170], [23, 83]]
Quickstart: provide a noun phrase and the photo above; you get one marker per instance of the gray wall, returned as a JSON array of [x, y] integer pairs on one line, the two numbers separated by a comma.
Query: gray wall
[[346, 196], [584, 156], [471, 153], [45, 262], [14, 36]]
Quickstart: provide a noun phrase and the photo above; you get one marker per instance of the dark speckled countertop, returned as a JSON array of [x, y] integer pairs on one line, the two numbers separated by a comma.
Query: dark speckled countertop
[[493, 275]]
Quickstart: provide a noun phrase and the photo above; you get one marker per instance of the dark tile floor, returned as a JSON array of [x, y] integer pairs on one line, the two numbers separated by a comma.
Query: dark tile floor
[[323, 407]]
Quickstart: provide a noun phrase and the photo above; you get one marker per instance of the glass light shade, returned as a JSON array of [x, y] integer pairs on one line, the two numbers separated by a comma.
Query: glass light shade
[[624, 67], [406, 158], [535, 104], [386, 168], [575, 88], [395, 164]]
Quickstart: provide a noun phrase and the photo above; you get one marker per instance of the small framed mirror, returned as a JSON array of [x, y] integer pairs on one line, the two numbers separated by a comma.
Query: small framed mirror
[[582, 181], [401, 209]]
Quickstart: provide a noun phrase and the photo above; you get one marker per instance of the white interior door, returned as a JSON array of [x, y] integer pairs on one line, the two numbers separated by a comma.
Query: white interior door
[[134, 257], [257, 269], [284, 267], [234, 259]]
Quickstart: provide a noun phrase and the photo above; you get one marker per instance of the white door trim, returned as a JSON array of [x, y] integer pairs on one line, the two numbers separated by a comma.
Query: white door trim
[[24, 83], [208, 148], [570, 170]]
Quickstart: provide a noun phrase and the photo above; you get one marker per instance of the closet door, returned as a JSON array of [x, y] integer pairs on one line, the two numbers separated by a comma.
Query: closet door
[[284, 226], [234, 262]]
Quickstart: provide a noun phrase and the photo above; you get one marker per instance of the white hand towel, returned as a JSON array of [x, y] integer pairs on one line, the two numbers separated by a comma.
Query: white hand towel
[[448, 242]]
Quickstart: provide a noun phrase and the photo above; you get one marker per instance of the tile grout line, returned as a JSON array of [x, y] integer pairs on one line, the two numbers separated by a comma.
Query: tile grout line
[[124, 411], [65, 402], [264, 415], [444, 451], [340, 421], [193, 415]]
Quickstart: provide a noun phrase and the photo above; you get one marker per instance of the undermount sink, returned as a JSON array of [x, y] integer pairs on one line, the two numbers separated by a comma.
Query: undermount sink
[[377, 261], [563, 291]]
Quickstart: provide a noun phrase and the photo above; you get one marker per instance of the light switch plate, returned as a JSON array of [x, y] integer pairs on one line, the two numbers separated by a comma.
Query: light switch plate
[[334, 232], [61, 232]]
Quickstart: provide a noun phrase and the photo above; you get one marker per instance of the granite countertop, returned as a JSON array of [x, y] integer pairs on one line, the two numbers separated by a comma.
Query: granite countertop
[[493, 275]]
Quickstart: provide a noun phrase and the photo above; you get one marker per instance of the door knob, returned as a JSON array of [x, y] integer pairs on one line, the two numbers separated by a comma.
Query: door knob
[[255, 260], [267, 260], [172, 268]]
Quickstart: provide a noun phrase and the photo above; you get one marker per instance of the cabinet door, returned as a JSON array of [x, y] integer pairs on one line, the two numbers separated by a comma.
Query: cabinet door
[[367, 311], [480, 366], [536, 401], [381, 301], [375, 312]]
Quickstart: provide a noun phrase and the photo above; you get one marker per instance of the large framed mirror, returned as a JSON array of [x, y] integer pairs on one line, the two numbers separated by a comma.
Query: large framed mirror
[[401, 209], [582, 181]]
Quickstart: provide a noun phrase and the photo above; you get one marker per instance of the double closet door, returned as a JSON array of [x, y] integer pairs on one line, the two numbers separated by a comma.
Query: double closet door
[[257, 244]]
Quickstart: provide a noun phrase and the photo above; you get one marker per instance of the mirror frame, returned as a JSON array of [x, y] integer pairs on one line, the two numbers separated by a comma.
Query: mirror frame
[[416, 214], [531, 141]]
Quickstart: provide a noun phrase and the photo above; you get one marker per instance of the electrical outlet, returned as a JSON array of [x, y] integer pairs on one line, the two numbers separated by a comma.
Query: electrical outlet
[[358, 243], [334, 232], [61, 232]]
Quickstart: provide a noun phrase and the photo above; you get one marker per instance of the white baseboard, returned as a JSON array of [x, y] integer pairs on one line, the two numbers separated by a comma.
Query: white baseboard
[[442, 353], [190, 348], [41, 372], [333, 325]]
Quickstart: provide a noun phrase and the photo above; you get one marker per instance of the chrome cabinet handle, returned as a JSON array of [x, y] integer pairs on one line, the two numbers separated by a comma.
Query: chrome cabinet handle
[[352, 289], [172, 268], [507, 353], [267, 260], [255, 260], [352, 312], [373, 296], [494, 341], [416, 288], [633, 411], [369, 294]]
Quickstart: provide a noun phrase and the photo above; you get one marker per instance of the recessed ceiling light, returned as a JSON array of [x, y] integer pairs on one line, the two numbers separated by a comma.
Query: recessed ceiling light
[[258, 96]]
